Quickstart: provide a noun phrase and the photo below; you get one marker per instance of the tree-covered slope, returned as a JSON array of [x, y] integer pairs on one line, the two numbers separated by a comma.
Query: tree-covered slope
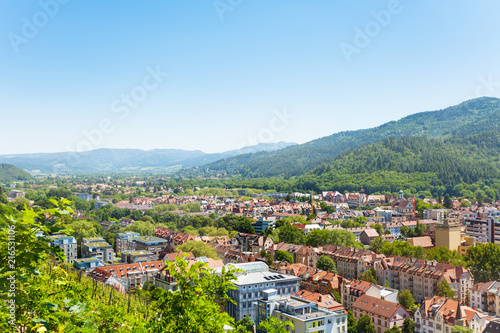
[[423, 163], [469, 117], [10, 173]]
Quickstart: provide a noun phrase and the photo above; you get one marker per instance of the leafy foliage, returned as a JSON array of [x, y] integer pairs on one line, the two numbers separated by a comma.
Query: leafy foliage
[[327, 264], [443, 289], [194, 306], [483, 261]]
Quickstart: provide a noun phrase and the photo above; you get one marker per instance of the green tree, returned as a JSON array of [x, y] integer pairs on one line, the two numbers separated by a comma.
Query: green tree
[[461, 329], [194, 307], [408, 326], [379, 228], [405, 298], [443, 289], [447, 203], [198, 249], [365, 325], [290, 234], [377, 243], [351, 323], [483, 261], [274, 325], [143, 227], [283, 256], [393, 329], [327, 264], [369, 276], [268, 256], [246, 324]]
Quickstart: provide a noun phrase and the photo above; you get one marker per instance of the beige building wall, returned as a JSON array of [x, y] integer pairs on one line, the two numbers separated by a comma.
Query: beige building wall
[[448, 234]]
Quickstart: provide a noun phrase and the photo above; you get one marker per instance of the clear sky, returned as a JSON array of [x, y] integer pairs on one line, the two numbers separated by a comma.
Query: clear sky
[[77, 75]]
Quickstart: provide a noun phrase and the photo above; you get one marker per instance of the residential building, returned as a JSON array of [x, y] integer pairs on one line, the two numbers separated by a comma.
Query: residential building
[[350, 262], [368, 236], [447, 234], [135, 256], [484, 229], [87, 263], [164, 279], [85, 196], [131, 275], [421, 277], [325, 301], [305, 315], [322, 282], [97, 247], [263, 223], [16, 194], [440, 314], [151, 244], [384, 314], [493, 327], [423, 241], [67, 244], [434, 214], [125, 241], [465, 242], [250, 285], [486, 297], [352, 290]]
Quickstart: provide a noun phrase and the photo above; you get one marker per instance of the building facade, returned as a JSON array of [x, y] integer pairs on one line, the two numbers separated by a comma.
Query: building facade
[[67, 244], [250, 286]]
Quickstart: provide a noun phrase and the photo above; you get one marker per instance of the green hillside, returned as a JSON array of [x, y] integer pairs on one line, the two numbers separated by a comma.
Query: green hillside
[[466, 118], [420, 163], [10, 173]]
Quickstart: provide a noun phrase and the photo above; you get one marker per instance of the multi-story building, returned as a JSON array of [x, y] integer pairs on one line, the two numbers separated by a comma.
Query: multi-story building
[[125, 241], [303, 314], [86, 264], [447, 234], [250, 285], [421, 277], [97, 247], [352, 290], [439, 315], [131, 275], [135, 256], [151, 244], [484, 229], [384, 314], [85, 196], [263, 223], [434, 214], [350, 262], [16, 194], [486, 297], [67, 244]]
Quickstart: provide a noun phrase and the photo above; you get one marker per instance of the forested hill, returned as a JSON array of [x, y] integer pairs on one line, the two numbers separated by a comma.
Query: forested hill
[[466, 118], [421, 163], [10, 173]]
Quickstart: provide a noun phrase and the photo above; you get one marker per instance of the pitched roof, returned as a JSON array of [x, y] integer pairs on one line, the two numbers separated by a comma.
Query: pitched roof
[[323, 301], [377, 306], [424, 241]]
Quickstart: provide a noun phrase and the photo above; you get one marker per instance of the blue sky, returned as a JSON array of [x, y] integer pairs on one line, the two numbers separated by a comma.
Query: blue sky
[[235, 67]]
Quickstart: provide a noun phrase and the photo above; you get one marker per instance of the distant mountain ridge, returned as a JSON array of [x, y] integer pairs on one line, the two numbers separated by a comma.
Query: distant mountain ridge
[[469, 117], [10, 173], [123, 160]]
